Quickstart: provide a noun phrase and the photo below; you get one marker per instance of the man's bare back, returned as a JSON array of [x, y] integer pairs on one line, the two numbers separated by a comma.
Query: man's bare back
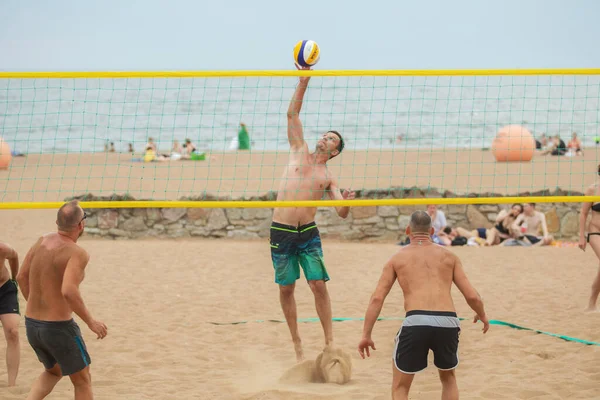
[[50, 276], [425, 273], [48, 260]]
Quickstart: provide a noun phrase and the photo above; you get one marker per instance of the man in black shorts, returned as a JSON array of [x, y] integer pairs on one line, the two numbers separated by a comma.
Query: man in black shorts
[[431, 323], [9, 310], [49, 279]]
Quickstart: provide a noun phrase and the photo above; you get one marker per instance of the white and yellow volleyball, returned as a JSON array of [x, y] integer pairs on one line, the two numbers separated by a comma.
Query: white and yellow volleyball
[[306, 53]]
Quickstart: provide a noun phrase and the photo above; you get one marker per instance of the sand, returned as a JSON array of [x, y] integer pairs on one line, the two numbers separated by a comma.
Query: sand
[[159, 298], [53, 177]]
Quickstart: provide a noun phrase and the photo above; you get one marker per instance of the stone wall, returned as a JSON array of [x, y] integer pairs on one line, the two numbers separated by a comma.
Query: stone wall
[[380, 223]]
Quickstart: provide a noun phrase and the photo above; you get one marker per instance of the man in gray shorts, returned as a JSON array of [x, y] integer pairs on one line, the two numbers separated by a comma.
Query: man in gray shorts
[[49, 279]]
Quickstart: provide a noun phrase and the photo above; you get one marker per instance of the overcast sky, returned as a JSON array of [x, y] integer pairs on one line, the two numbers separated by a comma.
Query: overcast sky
[[260, 34]]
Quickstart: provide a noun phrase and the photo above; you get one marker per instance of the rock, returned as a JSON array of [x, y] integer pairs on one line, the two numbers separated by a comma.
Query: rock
[[363, 212], [159, 227], [264, 229], [91, 222], [403, 222], [194, 214], [177, 233], [388, 211], [486, 208], [174, 227], [457, 208], [367, 221], [217, 220], [173, 214], [136, 224], [92, 231], [234, 214], [477, 219], [570, 224], [218, 234], [200, 232], [153, 214], [118, 232], [492, 217], [256, 213], [139, 212], [108, 219], [553, 221]]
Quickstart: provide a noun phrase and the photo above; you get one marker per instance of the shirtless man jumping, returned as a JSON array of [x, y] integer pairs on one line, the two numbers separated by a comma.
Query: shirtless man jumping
[[425, 272], [49, 279], [9, 310], [294, 236]]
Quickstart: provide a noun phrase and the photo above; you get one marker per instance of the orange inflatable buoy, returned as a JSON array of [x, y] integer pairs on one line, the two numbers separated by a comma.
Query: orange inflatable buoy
[[5, 155], [513, 143]]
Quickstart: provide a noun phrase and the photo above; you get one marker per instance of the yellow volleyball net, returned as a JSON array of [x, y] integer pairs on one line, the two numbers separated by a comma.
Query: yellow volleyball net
[[137, 139]]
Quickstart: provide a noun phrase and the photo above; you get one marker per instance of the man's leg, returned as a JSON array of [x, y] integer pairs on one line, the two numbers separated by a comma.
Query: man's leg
[[400, 384], [449, 386], [10, 325], [594, 241], [288, 306], [45, 383], [82, 382], [323, 306]]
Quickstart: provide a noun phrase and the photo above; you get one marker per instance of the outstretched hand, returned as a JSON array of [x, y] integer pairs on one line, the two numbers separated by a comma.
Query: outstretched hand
[[486, 322], [363, 347], [349, 194], [303, 79]]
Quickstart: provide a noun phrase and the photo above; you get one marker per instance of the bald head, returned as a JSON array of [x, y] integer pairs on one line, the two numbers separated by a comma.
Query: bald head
[[420, 222], [69, 216]]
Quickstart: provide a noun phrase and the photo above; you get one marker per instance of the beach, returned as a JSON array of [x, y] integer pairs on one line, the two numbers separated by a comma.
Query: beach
[[53, 177], [200, 318], [160, 300]]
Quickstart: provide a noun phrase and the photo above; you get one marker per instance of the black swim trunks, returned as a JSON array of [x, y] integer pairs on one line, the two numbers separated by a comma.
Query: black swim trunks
[[422, 331], [9, 298], [58, 342]]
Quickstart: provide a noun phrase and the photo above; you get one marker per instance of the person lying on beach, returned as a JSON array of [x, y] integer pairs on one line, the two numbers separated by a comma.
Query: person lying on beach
[[499, 232]]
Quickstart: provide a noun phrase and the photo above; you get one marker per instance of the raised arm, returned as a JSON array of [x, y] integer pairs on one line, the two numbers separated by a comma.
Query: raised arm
[[74, 274], [501, 215], [473, 298], [7, 252], [295, 131], [517, 223], [336, 194]]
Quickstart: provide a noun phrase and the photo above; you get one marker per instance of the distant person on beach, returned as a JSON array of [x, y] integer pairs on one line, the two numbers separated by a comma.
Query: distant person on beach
[[151, 144], [542, 142], [49, 279], [574, 146], [294, 237], [556, 148], [593, 236], [425, 273], [243, 138], [188, 148], [530, 223], [9, 309], [130, 148], [438, 221]]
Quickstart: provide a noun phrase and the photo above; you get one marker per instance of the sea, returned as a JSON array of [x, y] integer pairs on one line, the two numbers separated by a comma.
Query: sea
[[371, 112]]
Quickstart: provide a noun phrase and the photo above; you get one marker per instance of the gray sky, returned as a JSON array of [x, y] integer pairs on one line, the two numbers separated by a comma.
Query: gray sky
[[260, 34]]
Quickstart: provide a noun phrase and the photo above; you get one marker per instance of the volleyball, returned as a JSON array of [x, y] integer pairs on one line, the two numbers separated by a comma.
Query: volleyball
[[306, 53]]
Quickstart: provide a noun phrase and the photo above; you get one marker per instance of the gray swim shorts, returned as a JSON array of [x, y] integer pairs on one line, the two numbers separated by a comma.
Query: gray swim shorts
[[58, 342]]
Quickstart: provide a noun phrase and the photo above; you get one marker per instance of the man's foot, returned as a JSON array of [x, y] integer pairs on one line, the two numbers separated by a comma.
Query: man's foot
[[299, 351], [590, 309]]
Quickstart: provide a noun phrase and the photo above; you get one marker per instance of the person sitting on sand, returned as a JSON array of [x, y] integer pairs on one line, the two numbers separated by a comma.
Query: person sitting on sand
[[556, 148], [499, 232], [188, 149], [529, 223], [575, 146], [151, 144], [542, 142], [438, 219]]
